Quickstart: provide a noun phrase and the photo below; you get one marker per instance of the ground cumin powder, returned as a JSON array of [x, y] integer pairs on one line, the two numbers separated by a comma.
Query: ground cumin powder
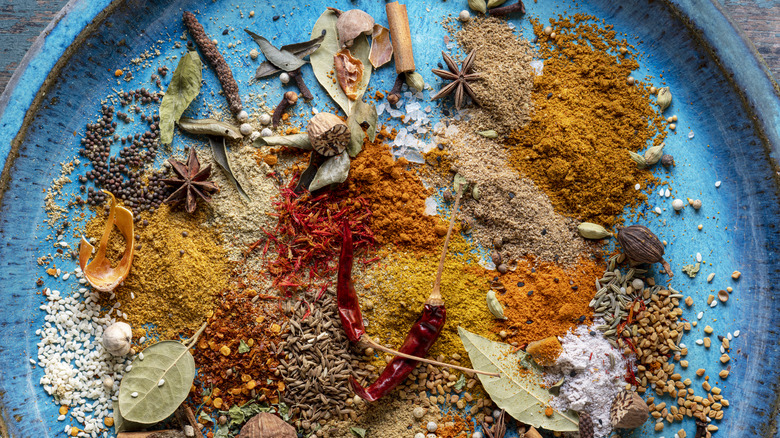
[[543, 299], [396, 197], [178, 269], [586, 119]]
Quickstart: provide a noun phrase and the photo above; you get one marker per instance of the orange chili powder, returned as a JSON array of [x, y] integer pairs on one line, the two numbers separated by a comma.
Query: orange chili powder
[[544, 299], [396, 197]]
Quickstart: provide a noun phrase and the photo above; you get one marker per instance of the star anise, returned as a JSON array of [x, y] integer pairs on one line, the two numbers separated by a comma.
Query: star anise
[[460, 78], [191, 183]]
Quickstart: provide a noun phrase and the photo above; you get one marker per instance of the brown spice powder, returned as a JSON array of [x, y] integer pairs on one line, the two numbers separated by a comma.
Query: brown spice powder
[[504, 88], [586, 120], [173, 292]]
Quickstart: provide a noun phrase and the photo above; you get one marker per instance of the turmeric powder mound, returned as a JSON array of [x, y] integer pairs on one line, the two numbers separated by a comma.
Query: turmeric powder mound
[[396, 198], [178, 269], [586, 120], [544, 299]]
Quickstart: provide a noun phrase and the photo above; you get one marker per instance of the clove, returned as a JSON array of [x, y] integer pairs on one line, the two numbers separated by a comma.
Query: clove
[[509, 9], [395, 94], [289, 99], [297, 76]]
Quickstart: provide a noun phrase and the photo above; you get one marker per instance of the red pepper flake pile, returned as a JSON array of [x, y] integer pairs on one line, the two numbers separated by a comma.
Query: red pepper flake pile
[[307, 237], [236, 355]]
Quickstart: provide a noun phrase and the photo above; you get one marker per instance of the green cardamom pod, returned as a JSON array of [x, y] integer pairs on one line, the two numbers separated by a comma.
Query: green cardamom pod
[[654, 154], [478, 5], [494, 305], [495, 3], [664, 98], [458, 181], [593, 231], [640, 160], [488, 134], [415, 80]]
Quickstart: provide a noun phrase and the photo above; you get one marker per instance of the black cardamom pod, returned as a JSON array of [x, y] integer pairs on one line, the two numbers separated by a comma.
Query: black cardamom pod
[[643, 246]]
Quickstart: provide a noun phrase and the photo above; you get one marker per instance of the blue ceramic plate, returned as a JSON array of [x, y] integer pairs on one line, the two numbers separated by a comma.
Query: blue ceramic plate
[[722, 94]]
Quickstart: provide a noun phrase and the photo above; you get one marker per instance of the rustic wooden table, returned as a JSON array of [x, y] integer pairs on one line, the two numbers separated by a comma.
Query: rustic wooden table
[[22, 20]]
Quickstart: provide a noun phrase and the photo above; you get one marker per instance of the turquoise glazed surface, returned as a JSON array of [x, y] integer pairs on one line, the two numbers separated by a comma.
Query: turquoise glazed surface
[[722, 95]]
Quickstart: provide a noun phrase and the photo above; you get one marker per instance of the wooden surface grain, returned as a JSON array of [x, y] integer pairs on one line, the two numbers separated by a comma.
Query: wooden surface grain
[[22, 20]]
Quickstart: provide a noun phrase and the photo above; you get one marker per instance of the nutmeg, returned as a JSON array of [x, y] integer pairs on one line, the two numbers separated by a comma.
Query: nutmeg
[[329, 134], [267, 425], [642, 246]]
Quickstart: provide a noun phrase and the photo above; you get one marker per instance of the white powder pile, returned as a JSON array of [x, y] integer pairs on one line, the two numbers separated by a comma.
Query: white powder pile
[[591, 380]]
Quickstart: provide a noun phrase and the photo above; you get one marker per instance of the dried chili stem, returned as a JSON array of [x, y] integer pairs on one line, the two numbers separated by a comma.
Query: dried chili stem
[[435, 297], [381, 347]]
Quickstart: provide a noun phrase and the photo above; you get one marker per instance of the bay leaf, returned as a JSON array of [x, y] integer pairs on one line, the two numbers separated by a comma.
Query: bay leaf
[[169, 361], [520, 392], [322, 60], [315, 161], [299, 141], [361, 113], [282, 59], [219, 151], [333, 171], [301, 50], [210, 127], [122, 425], [183, 89], [358, 431]]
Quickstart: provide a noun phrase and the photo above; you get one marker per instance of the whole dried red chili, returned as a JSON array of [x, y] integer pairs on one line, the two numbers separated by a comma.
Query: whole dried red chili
[[421, 337]]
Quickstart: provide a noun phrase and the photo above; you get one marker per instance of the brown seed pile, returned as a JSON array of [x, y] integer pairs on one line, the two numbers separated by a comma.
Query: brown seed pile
[[318, 365], [656, 336]]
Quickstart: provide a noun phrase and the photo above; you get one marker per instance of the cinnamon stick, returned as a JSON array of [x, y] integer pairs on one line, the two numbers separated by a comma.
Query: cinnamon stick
[[398, 22], [151, 434]]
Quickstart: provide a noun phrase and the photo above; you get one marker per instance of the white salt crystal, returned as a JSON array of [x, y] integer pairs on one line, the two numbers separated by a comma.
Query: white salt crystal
[[430, 206], [538, 66], [690, 135]]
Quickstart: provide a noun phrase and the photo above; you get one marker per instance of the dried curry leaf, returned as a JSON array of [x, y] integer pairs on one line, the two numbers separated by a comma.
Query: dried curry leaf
[[282, 59], [299, 141], [219, 151], [183, 89], [301, 50], [381, 47], [333, 171], [519, 390], [99, 272], [210, 127], [322, 61], [169, 362], [361, 113]]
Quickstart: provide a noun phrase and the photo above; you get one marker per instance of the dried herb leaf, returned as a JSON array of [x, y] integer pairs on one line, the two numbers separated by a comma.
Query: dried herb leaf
[[210, 127], [333, 171], [183, 89], [358, 431], [242, 348], [520, 391], [692, 270], [219, 151], [361, 113], [166, 361], [122, 425], [283, 59], [381, 47], [315, 161], [300, 141], [323, 65], [301, 50], [460, 384]]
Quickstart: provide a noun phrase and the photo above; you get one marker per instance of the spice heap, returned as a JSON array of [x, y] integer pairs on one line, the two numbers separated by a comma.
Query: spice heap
[[307, 235], [396, 198], [236, 219], [509, 209], [503, 60], [178, 268], [236, 353], [586, 120], [402, 282], [543, 299], [317, 365]]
